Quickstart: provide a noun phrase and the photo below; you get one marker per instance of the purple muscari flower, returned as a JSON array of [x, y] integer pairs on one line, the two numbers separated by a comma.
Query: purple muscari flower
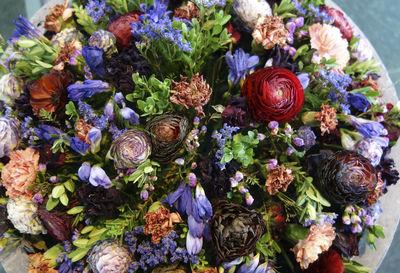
[[193, 244], [119, 99], [291, 26], [78, 145], [195, 228], [251, 267], [304, 79], [299, 22], [289, 151], [192, 180], [298, 141], [196, 120], [204, 129], [84, 171], [48, 133], [228, 265], [201, 206], [358, 101], [94, 59], [95, 139], [273, 125], [181, 198], [179, 161], [97, 9], [367, 128], [98, 177], [370, 149], [249, 199], [144, 194], [79, 91], [130, 115], [54, 179], [272, 164], [240, 65], [38, 198], [25, 28], [109, 111], [356, 228], [307, 134]]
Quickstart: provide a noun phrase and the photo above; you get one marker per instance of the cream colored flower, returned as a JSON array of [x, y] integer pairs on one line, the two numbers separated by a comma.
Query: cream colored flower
[[249, 11], [20, 173], [329, 43], [270, 31], [318, 240]]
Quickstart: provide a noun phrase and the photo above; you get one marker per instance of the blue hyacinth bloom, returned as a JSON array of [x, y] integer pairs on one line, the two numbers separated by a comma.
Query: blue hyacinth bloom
[[87, 89], [240, 64], [25, 28], [78, 145], [94, 59], [97, 10], [48, 133], [359, 101]]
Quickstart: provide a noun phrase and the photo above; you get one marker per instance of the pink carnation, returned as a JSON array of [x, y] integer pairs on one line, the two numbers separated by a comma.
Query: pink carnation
[[329, 43]]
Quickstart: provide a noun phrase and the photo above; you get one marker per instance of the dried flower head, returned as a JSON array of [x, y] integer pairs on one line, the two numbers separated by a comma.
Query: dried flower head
[[207, 270], [58, 13], [196, 93], [67, 54], [39, 264], [370, 81], [378, 192], [318, 240], [327, 116], [159, 223], [188, 11], [270, 31], [279, 179], [20, 173], [82, 129]]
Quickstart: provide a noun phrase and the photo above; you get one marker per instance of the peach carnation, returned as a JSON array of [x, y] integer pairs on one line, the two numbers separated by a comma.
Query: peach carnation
[[20, 173], [318, 240], [328, 42]]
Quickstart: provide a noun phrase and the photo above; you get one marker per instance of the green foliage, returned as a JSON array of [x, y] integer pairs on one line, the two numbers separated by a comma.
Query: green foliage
[[241, 148], [86, 241], [354, 267], [359, 69], [86, 21], [59, 143], [151, 96], [37, 58], [145, 169], [285, 9], [268, 246], [72, 112], [59, 194], [125, 6], [375, 231]]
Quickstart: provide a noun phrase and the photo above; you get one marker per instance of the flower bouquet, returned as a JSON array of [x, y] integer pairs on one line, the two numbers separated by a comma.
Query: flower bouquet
[[205, 136]]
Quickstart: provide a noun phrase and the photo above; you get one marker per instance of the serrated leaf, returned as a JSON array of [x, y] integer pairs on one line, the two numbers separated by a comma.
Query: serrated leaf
[[64, 199], [75, 210], [58, 191], [52, 203]]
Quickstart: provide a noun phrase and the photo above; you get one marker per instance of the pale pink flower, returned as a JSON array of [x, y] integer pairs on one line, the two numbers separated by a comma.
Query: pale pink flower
[[318, 240], [329, 43]]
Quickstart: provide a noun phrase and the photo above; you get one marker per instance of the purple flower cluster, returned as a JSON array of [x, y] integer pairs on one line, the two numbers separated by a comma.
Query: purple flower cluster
[[221, 137], [307, 135], [321, 218], [154, 254], [359, 217], [97, 10], [24, 28], [88, 114], [210, 3], [338, 84], [156, 24]]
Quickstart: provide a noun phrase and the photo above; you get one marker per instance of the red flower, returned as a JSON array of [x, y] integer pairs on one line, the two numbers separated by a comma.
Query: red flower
[[274, 94], [235, 34], [121, 28], [328, 262], [340, 22]]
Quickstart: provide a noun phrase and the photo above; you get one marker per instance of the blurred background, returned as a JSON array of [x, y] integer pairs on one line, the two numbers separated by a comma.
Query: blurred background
[[377, 19]]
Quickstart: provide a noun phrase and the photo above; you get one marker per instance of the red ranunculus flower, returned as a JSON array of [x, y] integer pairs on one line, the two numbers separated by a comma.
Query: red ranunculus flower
[[274, 94], [328, 262], [340, 22]]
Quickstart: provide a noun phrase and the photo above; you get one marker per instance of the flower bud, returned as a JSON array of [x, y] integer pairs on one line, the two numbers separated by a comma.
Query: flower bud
[[261, 137], [179, 161], [234, 182], [119, 99], [288, 129], [84, 171], [54, 179], [346, 219], [95, 139], [272, 164], [349, 209], [249, 199], [273, 125], [299, 22], [109, 111], [130, 115], [355, 219], [298, 141], [42, 167], [243, 190], [98, 177], [356, 228], [192, 180], [194, 165], [193, 244], [239, 176], [144, 195], [289, 151]]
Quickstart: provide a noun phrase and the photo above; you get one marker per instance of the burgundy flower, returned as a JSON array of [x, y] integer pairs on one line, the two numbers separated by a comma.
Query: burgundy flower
[[346, 244], [274, 94], [340, 22], [121, 28], [58, 224], [236, 112], [328, 262]]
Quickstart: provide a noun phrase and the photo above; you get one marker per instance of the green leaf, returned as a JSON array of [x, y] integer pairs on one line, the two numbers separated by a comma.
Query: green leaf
[[26, 43], [75, 210], [58, 191], [64, 199], [52, 203], [87, 229], [78, 254], [97, 232], [81, 243], [70, 185]]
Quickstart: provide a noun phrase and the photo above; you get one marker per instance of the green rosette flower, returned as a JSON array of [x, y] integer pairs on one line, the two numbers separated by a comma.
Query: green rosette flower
[[130, 149]]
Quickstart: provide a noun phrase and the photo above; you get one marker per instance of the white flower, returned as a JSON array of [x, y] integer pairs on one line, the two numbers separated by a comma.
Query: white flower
[[249, 11], [23, 216], [10, 88], [9, 135], [364, 51]]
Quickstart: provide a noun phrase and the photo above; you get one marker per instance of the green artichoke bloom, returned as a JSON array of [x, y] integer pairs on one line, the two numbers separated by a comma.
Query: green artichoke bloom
[[104, 40], [66, 36], [130, 149], [109, 257], [168, 132]]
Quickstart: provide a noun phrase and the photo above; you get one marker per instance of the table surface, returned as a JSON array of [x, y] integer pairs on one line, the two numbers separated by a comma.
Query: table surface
[[377, 19]]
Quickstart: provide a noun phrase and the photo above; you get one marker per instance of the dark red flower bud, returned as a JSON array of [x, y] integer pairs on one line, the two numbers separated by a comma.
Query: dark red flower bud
[[58, 224], [340, 22], [121, 28]]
